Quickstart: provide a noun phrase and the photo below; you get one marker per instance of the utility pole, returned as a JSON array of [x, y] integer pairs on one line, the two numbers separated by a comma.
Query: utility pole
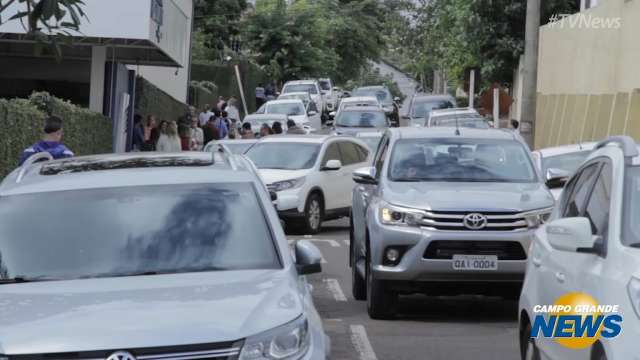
[[529, 89]]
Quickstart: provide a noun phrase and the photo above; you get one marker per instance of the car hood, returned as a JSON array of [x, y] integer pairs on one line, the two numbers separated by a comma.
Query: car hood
[[269, 176], [145, 311], [450, 196], [300, 119]]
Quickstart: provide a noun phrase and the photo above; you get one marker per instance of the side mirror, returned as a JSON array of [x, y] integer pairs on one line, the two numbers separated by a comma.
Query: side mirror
[[312, 113], [573, 235], [365, 175], [556, 178], [308, 258], [332, 165]]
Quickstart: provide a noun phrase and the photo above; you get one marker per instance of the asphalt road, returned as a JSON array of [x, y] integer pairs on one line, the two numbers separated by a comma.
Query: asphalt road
[[447, 328]]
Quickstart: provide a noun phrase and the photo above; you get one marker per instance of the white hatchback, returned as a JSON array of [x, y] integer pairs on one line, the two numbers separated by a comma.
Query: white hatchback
[[311, 175], [588, 254]]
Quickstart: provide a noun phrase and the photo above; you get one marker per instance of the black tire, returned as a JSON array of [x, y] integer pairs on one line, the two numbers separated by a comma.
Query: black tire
[[313, 214], [598, 352], [358, 283], [381, 302], [528, 348]]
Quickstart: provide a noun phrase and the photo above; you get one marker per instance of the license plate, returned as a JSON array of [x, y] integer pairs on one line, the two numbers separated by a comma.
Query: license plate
[[475, 262]]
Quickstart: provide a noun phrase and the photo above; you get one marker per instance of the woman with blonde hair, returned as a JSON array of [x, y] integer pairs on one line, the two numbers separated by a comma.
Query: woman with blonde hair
[[169, 140]]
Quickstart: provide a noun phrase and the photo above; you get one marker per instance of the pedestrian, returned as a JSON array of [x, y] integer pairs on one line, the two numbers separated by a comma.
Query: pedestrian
[[232, 109], [169, 140], [204, 116], [151, 133], [265, 130], [51, 141], [137, 141], [209, 131], [292, 128], [261, 96], [221, 103], [247, 132], [197, 136], [221, 125], [277, 127]]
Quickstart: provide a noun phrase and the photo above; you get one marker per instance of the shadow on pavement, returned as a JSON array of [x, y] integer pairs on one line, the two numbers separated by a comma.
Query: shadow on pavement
[[457, 309]]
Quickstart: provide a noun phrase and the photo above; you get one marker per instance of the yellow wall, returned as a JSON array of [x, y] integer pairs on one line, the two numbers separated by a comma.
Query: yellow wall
[[588, 78]]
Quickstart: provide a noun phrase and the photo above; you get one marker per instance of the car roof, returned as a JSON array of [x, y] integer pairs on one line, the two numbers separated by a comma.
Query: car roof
[[285, 101], [372, 87], [308, 138], [362, 108], [125, 170], [432, 97], [296, 93], [446, 132], [299, 82], [461, 111], [375, 134], [266, 117], [359, 98], [566, 149]]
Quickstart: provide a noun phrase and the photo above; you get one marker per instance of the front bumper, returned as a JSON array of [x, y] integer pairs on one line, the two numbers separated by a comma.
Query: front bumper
[[415, 267], [290, 203]]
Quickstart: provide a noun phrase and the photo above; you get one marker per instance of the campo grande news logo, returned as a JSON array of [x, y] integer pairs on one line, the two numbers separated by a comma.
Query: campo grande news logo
[[576, 321]]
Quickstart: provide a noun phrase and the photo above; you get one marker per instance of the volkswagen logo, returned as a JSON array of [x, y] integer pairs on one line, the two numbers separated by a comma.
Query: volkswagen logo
[[121, 355], [475, 221]]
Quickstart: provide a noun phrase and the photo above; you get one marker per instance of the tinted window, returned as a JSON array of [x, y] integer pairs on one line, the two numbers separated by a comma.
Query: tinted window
[[324, 85], [631, 225], [381, 155], [286, 109], [597, 210], [568, 162], [581, 190], [332, 153], [122, 231], [310, 88], [350, 153], [362, 152], [421, 109], [285, 156], [474, 122], [461, 160], [372, 142], [365, 119], [382, 95]]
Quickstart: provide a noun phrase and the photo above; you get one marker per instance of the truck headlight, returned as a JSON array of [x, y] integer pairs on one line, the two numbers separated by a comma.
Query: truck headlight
[[633, 288], [288, 342], [287, 184], [397, 215], [537, 217]]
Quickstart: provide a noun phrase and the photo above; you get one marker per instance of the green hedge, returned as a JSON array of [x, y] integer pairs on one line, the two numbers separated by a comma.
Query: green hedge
[[202, 93], [151, 100], [21, 121]]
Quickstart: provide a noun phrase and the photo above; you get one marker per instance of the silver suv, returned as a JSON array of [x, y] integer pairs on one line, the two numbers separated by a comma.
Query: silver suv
[[444, 211], [149, 256]]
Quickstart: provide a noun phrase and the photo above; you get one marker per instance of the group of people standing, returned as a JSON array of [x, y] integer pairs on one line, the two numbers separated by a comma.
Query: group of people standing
[[191, 132]]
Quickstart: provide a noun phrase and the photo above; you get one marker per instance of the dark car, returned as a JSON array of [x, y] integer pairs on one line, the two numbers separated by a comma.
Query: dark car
[[421, 106], [389, 104]]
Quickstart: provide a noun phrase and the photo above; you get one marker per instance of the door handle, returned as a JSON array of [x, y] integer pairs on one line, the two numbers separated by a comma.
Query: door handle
[[560, 277]]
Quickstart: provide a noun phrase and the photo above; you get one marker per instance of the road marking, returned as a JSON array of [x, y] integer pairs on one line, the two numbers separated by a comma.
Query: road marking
[[334, 288], [361, 342]]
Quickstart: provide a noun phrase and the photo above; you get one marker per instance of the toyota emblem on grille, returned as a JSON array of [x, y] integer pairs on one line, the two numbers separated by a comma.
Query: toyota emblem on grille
[[121, 355], [475, 221]]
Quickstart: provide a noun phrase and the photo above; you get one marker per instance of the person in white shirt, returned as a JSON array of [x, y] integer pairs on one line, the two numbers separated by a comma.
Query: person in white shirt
[[197, 137], [232, 109], [169, 140], [205, 115]]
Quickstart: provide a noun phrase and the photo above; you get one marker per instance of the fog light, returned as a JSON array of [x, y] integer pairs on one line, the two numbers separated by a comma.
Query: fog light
[[393, 255]]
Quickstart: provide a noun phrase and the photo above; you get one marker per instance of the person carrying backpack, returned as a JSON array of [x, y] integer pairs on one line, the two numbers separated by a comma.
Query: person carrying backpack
[[51, 142]]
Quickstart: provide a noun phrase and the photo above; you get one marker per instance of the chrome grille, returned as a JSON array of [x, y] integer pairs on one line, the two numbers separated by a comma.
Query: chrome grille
[[454, 221]]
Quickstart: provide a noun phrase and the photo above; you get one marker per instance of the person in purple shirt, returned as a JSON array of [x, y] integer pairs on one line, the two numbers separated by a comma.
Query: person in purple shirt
[[51, 141]]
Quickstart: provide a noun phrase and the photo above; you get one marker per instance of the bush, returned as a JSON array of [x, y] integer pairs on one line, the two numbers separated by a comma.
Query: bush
[[21, 121], [203, 92]]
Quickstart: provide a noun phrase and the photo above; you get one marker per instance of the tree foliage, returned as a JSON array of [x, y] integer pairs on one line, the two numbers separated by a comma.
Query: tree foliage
[[217, 25]]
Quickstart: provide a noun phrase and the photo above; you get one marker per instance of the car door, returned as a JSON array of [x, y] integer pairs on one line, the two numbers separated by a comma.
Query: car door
[[330, 180], [352, 159], [554, 270]]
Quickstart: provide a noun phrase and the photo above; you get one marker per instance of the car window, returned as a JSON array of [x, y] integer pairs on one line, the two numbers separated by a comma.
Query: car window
[[123, 231], [310, 88], [597, 210], [365, 119], [324, 85], [568, 162], [422, 109], [292, 109], [363, 153], [581, 188], [283, 155], [332, 153], [380, 156], [631, 213], [350, 153]]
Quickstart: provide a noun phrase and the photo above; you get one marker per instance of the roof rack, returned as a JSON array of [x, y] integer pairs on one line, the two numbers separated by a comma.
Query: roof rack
[[626, 143], [37, 157]]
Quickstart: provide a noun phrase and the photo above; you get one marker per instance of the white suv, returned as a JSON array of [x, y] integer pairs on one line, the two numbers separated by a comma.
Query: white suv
[[590, 247], [311, 175], [310, 86]]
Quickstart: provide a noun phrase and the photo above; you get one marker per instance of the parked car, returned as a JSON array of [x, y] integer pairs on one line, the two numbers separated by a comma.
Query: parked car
[[330, 93], [310, 174], [356, 101], [388, 103], [444, 213], [310, 86], [590, 247], [557, 164], [149, 255], [371, 138], [294, 109], [421, 105], [309, 104], [457, 117], [357, 119], [235, 146], [256, 121]]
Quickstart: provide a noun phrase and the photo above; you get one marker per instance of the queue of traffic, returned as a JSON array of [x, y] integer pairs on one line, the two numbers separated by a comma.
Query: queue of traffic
[[184, 256]]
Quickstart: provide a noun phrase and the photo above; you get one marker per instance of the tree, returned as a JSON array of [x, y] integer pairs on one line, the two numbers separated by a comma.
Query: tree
[[217, 24], [47, 21]]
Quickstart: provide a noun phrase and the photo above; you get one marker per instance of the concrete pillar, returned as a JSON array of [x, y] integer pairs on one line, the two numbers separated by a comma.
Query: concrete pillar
[[96, 92]]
